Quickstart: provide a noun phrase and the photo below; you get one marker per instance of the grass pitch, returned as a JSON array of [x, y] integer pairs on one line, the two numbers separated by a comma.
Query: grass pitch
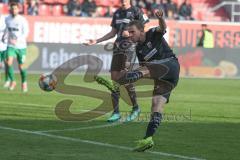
[[201, 122]]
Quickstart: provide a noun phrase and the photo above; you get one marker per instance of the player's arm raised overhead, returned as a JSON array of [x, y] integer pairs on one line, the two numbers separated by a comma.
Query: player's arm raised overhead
[[162, 24]]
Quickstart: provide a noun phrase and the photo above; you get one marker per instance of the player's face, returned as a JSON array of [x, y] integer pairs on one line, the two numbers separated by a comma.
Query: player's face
[[204, 27], [125, 4], [135, 34], [14, 10]]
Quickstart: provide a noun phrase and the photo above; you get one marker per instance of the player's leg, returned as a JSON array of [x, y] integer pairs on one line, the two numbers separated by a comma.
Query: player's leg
[[118, 64], [7, 80], [21, 57], [115, 95], [127, 77], [130, 89], [158, 102], [163, 85], [3, 61], [11, 54], [116, 73], [155, 70], [133, 97], [130, 54]]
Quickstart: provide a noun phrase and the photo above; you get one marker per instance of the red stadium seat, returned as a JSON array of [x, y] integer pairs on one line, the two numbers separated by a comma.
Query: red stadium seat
[[3, 8], [104, 3], [57, 10], [25, 7], [199, 15], [49, 1], [61, 1], [116, 3], [80, 1], [44, 10], [113, 9]]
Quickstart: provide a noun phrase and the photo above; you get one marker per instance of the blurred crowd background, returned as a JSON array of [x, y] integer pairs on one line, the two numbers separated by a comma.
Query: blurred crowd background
[[173, 9]]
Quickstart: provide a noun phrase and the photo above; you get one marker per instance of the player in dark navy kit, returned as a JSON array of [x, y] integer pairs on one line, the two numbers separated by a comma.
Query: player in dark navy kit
[[158, 62], [123, 52]]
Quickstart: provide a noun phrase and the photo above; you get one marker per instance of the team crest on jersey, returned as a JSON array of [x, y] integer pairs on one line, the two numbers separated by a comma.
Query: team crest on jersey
[[149, 44], [129, 14]]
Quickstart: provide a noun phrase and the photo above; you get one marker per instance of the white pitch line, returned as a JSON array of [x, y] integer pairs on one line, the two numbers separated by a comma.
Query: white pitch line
[[43, 105], [81, 128], [97, 143], [24, 104], [61, 130]]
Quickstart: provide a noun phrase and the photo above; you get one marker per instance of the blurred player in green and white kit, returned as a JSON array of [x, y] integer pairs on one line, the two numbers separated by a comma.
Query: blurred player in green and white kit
[[17, 43], [3, 48]]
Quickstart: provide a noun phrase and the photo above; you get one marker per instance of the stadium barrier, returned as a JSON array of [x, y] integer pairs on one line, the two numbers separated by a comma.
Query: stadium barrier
[[53, 40]]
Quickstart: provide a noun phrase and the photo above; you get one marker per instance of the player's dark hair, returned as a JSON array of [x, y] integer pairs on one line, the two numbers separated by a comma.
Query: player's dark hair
[[13, 4], [138, 24]]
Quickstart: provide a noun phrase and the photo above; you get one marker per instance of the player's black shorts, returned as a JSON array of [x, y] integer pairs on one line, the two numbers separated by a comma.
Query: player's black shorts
[[165, 74], [121, 55], [118, 62]]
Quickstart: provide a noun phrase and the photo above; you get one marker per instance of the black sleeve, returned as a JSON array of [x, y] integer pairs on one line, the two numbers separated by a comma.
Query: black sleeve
[[200, 43], [156, 33], [140, 16], [113, 23]]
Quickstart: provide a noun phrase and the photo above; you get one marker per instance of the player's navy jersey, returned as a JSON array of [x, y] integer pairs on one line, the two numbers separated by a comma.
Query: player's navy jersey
[[121, 18], [154, 47]]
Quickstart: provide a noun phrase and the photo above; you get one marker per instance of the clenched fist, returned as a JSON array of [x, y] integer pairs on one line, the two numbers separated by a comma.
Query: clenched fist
[[159, 14]]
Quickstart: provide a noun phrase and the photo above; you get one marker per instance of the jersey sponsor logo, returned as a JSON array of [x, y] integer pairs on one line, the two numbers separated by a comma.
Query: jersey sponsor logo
[[118, 21], [150, 54], [149, 44], [13, 29]]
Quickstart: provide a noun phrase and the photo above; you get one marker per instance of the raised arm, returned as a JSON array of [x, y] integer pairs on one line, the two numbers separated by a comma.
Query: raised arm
[[162, 24]]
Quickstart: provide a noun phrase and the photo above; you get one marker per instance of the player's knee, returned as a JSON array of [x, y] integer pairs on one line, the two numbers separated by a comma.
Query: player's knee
[[115, 75], [129, 77], [115, 78], [21, 67], [9, 62]]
